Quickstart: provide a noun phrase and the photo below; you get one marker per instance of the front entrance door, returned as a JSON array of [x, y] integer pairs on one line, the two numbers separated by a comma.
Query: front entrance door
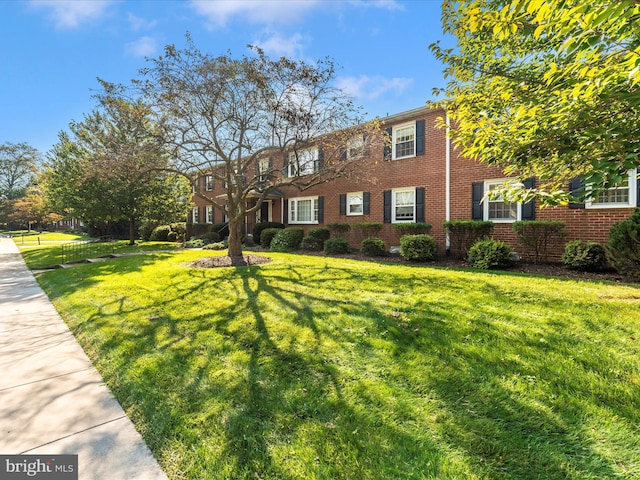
[[264, 214]]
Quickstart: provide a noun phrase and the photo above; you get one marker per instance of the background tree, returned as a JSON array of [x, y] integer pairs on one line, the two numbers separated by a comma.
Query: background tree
[[19, 163], [114, 167], [546, 88], [33, 209], [228, 117]]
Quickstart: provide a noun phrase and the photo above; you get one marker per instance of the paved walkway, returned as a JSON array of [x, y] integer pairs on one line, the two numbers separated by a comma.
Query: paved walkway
[[52, 401]]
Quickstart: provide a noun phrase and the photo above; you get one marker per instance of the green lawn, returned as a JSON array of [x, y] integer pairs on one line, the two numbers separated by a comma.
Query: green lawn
[[322, 368], [49, 254]]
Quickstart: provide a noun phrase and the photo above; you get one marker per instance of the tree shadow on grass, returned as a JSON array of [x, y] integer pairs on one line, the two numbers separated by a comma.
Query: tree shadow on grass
[[286, 379]]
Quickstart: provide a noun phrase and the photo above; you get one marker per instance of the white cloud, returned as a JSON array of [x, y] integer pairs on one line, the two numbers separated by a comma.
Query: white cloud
[[138, 23], [384, 4], [219, 13], [143, 47], [371, 88], [279, 46], [68, 14]]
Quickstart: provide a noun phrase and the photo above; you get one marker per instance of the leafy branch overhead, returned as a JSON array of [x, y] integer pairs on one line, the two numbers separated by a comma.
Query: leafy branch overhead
[[546, 89]]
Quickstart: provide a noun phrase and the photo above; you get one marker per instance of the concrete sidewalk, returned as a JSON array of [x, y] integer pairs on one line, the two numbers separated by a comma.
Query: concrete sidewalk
[[52, 401]]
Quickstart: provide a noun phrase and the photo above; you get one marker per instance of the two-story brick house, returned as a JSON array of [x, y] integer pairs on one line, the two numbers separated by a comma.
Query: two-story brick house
[[419, 177]]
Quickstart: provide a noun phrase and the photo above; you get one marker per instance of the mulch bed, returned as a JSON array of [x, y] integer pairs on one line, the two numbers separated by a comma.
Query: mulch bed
[[225, 261]]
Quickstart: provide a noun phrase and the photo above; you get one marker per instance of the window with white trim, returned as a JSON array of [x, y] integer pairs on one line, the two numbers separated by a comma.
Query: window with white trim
[[263, 169], [303, 210], [404, 141], [355, 203], [403, 205], [208, 183], [208, 213], [303, 162], [496, 209], [195, 215], [355, 147], [620, 196]]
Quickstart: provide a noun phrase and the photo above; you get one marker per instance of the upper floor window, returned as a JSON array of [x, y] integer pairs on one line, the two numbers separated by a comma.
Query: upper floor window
[[404, 141], [355, 147], [303, 210], [622, 195], [303, 162], [208, 183], [264, 168]]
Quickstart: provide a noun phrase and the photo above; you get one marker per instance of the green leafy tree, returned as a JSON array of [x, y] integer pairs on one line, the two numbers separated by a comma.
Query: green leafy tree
[[545, 88], [226, 117], [113, 167], [19, 164], [33, 209]]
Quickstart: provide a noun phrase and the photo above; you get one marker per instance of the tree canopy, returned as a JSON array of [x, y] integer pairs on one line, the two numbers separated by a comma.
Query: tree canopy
[[545, 88], [230, 118], [113, 167], [19, 163]]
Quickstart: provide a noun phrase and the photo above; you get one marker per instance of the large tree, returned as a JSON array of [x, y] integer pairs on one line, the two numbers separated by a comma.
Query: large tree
[[237, 120], [113, 167], [546, 88], [19, 163], [33, 209]]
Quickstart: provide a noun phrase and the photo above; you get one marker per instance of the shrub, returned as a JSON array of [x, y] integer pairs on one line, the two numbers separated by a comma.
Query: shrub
[[287, 240], [373, 247], [335, 246], [160, 234], [490, 254], [267, 236], [210, 237], [181, 230], [312, 244], [464, 233], [587, 256], [624, 246], [261, 226], [538, 234], [172, 236], [197, 229], [215, 246], [412, 228], [320, 233], [339, 229], [247, 241], [146, 229], [417, 248], [195, 243], [368, 229], [222, 229]]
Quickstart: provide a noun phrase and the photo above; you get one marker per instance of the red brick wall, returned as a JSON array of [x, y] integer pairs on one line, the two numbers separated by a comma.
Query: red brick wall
[[428, 171]]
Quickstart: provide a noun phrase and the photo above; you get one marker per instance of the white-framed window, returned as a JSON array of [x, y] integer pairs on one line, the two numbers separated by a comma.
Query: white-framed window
[[263, 169], [303, 210], [620, 196], [208, 183], [355, 203], [355, 147], [404, 141], [496, 209], [303, 162], [195, 215], [403, 205], [208, 213]]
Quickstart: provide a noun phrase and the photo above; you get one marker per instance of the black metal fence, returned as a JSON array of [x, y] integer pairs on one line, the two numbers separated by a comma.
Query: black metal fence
[[78, 251]]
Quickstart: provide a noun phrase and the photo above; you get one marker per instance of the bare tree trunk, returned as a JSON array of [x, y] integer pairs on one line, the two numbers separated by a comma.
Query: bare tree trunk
[[132, 231], [235, 242]]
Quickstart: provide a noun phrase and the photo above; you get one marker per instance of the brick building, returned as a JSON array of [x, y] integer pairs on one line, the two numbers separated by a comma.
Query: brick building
[[421, 178]]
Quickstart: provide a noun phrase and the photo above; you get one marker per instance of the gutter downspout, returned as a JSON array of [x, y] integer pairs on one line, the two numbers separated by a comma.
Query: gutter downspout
[[447, 180]]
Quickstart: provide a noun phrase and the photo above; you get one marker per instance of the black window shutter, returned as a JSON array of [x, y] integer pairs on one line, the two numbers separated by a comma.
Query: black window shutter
[[576, 189], [387, 206], [213, 214], [320, 209], [420, 137], [477, 192], [343, 204], [285, 166], [366, 203], [343, 154], [529, 208], [285, 209], [420, 204], [387, 147]]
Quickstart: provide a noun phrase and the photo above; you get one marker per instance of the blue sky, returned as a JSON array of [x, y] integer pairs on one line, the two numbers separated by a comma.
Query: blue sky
[[51, 51]]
